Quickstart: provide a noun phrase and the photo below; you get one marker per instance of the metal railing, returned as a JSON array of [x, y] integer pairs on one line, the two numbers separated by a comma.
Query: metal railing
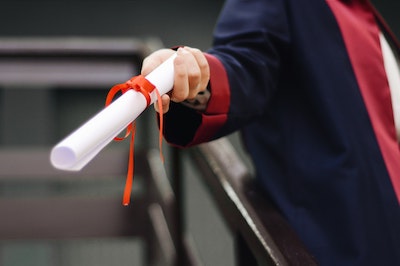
[[262, 236]]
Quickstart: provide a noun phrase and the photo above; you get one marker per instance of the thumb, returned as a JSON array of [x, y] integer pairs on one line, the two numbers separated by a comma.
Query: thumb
[[165, 101]]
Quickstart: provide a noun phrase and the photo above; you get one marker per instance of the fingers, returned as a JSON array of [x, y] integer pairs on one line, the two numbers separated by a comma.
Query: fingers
[[204, 69], [181, 81], [155, 59], [191, 74]]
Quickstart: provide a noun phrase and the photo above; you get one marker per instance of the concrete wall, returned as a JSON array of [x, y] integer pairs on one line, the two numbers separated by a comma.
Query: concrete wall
[[174, 21]]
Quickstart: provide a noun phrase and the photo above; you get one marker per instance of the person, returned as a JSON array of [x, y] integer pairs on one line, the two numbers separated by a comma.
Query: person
[[311, 86]]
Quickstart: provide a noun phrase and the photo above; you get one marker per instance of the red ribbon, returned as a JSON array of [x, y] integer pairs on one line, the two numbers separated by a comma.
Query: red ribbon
[[145, 87]]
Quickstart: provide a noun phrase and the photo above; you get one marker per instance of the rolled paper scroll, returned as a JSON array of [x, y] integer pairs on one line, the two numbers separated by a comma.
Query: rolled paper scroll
[[81, 146]]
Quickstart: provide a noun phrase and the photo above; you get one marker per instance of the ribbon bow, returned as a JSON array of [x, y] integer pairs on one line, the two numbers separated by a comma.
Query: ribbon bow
[[140, 84]]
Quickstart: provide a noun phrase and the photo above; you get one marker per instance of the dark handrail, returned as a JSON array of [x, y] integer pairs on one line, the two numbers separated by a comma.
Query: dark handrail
[[250, 216]]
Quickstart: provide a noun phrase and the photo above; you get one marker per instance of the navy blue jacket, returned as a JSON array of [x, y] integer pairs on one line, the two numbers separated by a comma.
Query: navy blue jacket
[[304, 82]]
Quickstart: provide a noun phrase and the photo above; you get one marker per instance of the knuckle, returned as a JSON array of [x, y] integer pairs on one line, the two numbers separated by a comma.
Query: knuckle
[[179, 95]]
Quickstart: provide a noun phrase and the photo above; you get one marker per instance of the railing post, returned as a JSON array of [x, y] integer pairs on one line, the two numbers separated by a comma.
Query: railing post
[[177, 186]]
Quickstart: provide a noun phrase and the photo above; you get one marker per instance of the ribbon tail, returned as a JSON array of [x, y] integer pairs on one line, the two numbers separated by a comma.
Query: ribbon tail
[[160, 136], [142, 85], [129, 177]]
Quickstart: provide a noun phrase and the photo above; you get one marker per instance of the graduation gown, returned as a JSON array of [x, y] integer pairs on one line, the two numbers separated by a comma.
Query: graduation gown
[[304, 82]]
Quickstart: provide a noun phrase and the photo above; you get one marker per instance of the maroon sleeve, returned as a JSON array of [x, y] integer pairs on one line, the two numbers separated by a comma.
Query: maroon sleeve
[[187, 127]]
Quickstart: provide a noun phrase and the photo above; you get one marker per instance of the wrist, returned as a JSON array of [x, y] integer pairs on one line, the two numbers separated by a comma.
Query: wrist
[[200, 102]]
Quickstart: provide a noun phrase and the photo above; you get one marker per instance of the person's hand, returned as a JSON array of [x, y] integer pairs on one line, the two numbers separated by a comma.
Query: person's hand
[[191, 73]]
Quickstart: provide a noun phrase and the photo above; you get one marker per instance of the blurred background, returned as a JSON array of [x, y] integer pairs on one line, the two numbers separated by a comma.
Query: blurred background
[[37, 116], [175, 22]]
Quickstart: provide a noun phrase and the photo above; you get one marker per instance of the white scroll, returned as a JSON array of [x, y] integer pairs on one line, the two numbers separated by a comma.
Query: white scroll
[[81, 146]]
